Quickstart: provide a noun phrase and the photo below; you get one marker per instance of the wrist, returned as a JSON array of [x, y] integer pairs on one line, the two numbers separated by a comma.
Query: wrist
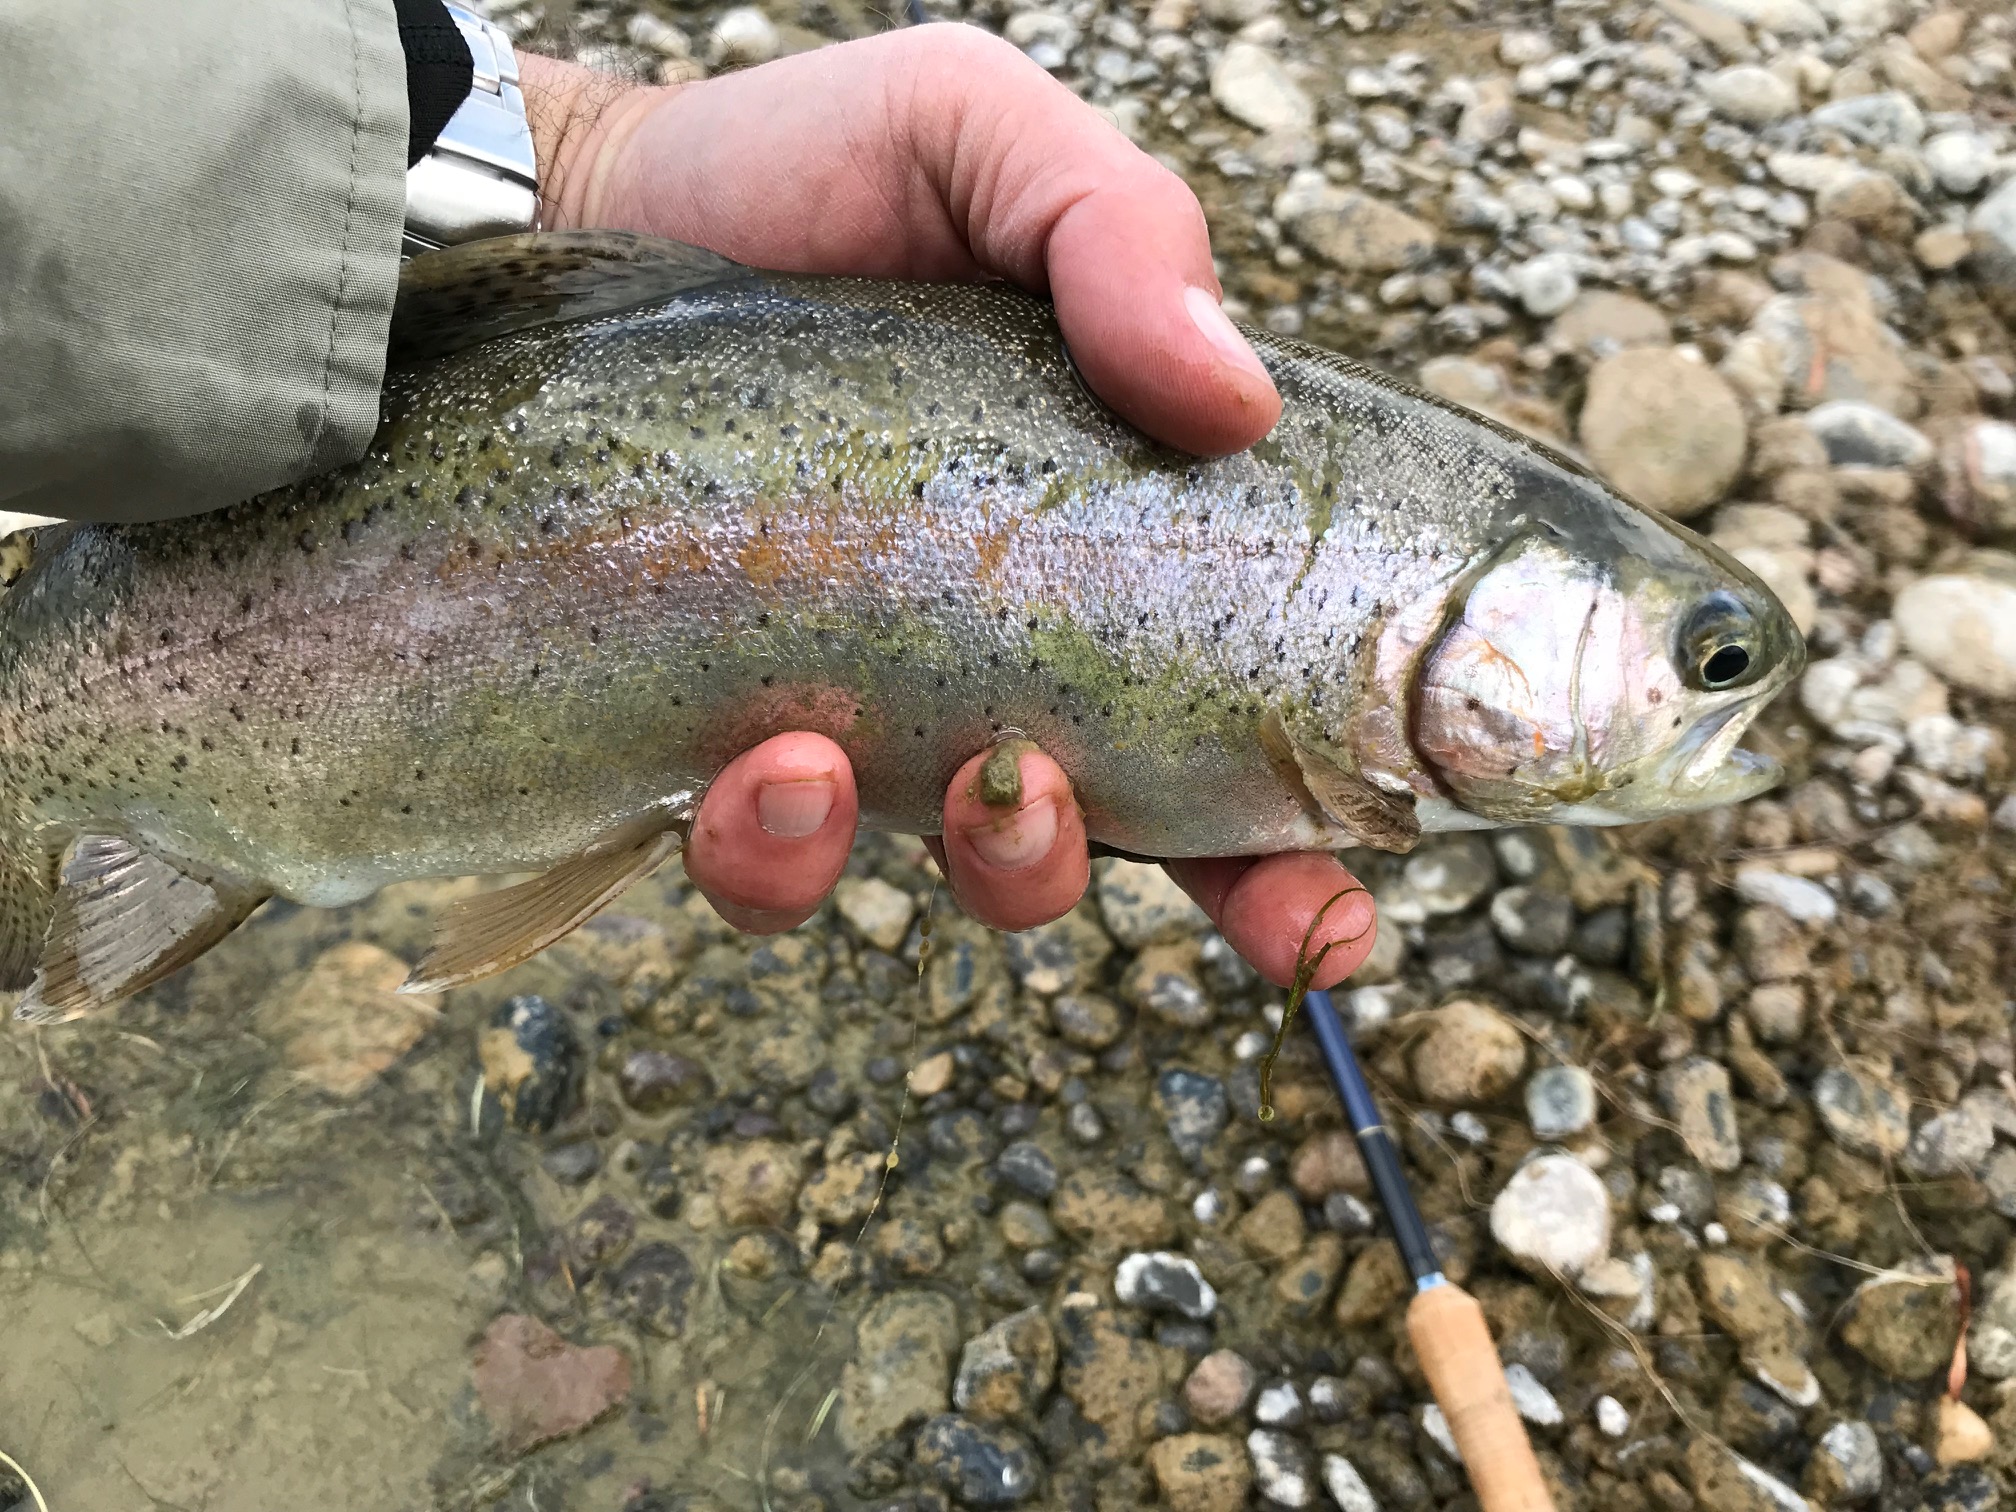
[[581, 122]]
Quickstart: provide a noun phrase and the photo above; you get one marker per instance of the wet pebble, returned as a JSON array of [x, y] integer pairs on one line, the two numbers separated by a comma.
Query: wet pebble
[[1560, 1101], [1162, 1282], [1862, 435], [651, 1288], [1027, 1168], [1279, 1406], [572, 1163], [1346, 1486], [1534, 919], [1666, 430], [1953, 1143], [598, 1234], [1906, 1322], [980, 1464], [1847, 1464], [1449, 877], [1162, 983], [1142, 905], [1963, 624], [1799, 898], [534, 1386], [1194, 1109], [755, 1182], [744, 37], [1252, 86], [1754, 96], [1282, 1469], [1218, 1387], [1864, 1112], [1087, 1020], [1554, 1214], [531, 1061], [880, 912], [1535, 1402], [1201, 1472], [901, 1367], [656, 1081], [1352, 230], [1698, 1095], [1469, 1055]]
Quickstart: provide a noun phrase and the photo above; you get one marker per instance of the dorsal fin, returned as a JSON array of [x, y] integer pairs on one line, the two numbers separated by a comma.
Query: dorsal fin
[[459, 296]]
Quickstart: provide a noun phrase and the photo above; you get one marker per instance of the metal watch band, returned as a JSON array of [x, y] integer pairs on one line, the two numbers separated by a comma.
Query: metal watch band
[[480, 178]]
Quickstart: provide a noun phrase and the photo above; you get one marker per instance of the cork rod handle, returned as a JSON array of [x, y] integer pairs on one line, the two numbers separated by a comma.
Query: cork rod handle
[[1454, 1346]]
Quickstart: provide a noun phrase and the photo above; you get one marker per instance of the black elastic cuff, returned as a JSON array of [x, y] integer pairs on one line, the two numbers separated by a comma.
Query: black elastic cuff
[[439, 71]]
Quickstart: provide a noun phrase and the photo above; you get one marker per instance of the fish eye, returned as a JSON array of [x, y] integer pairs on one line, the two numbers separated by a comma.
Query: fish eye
[[1719, 644], [1725, 666]]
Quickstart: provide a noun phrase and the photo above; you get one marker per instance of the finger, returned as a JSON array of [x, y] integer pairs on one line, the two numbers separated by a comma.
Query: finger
[[773, 832], [1018, 863], [1055, 197], [1264, 909]]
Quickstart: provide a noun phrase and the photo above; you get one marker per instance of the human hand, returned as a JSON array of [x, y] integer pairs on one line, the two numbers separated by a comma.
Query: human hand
[[941, 153]]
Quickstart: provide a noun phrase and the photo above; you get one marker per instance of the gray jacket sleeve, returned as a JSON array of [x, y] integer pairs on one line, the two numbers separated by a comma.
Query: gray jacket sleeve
[[200, 210]]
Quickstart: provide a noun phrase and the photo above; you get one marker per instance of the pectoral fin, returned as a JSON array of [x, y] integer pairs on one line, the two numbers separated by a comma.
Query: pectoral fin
[[494, 931], [122, 920], [1335, 789]]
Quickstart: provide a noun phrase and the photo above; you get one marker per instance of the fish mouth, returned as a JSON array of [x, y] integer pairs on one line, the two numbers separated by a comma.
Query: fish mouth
[[1708, 768]]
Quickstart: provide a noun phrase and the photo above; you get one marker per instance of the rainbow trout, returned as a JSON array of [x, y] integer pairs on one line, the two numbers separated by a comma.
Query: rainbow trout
[[632, 509]]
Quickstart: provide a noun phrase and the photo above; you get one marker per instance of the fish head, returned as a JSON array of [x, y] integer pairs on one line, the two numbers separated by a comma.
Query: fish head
[[1602, 676]]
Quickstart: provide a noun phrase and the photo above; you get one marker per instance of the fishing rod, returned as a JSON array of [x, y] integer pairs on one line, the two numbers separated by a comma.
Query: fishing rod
[[1445, 1323]]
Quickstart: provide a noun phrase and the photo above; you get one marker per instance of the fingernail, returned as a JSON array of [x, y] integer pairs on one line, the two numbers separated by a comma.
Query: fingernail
[[1019, 840], [792, 810], [1217, 328]]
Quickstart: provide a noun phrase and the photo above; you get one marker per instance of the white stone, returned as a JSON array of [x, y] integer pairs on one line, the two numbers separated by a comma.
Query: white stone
[[744, 37], [1995, 218], [1960, 160], [1547, 284], [1535, 1402], [1518, 47], [1825, 688], [1280, 1468], [882, 913], [1788, 18], [1780, 1494], [1435, 1423], [1941, 744], [1801, 897], [1252, 86], [1346, 1486], [1031, 29], [1278, 1406], [1611, 1417], [1749, 94], [1963, 624], [648, 31], [1554, 1214]]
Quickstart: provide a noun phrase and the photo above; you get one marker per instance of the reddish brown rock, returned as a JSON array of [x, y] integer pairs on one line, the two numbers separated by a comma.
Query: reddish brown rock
[[536, 1387]]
